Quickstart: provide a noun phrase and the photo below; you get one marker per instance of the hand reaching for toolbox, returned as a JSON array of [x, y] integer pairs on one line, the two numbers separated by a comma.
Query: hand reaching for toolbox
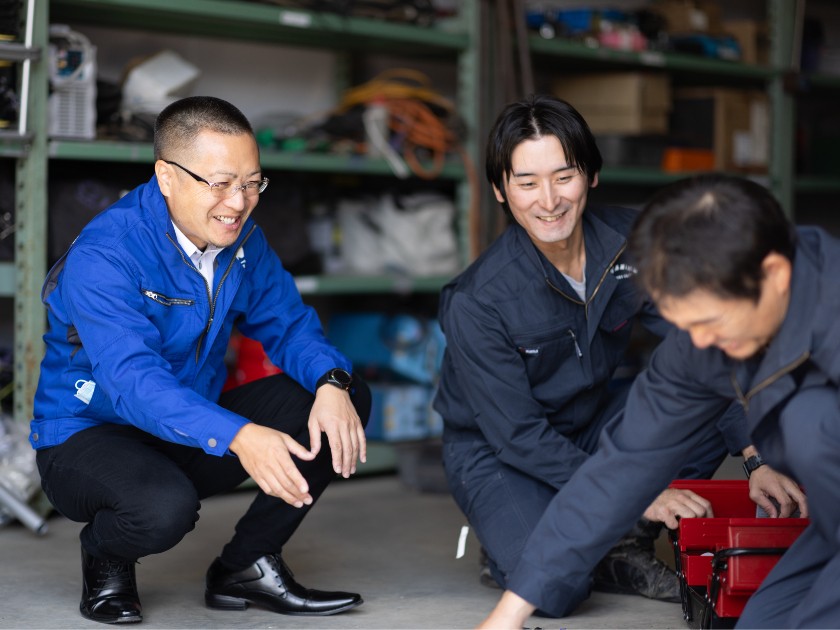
[[777, 494], [673, 504]]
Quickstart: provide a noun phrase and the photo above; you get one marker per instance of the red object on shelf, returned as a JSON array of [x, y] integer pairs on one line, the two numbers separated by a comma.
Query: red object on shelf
[[679, 160], [721, 561], [251, 362]]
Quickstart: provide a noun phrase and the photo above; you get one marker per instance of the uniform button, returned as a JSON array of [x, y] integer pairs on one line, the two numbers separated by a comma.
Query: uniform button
[[35, 437], [212, 442]]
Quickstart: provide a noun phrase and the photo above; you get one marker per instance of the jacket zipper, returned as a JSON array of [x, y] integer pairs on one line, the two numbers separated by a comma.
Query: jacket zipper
[[744, 399], [586, 304], [575, 341], [165, 300], [212, 299]]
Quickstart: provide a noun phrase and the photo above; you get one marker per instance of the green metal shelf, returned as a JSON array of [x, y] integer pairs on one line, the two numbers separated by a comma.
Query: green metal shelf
[[111, 151], [672, 62], [816, 184], [341, 284], [822, 82], [257, 22], [15, 51], [13, 143], [7, 279], [101, 151], [638, 176]]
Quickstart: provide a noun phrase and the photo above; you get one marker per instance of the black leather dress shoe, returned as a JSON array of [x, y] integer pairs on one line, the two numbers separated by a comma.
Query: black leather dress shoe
[[109, 591], [270, 582]]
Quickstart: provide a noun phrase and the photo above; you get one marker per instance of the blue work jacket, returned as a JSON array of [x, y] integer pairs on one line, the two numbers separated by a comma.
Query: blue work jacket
[[136, 336], [682, 389], [527, 362]]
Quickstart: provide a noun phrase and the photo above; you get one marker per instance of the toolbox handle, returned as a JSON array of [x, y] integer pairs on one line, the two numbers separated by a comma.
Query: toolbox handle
[[719, 564]]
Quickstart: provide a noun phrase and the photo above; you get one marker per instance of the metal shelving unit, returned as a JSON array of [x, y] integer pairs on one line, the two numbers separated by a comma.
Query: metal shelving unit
[[22, 279], [109, 151], [227, 20], [702, 71], [261, 22]]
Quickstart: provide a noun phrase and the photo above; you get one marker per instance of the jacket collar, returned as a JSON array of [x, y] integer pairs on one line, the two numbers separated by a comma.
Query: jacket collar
[[791, 345], [794, 336], [601, 241]]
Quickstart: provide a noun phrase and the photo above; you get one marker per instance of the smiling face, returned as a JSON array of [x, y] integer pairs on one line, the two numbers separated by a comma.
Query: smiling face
[[740, 327], [546, 194], [203, 217]]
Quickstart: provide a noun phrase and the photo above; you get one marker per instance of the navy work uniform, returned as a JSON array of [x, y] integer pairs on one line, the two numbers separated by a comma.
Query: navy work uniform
[[791, 396], [526, 387]]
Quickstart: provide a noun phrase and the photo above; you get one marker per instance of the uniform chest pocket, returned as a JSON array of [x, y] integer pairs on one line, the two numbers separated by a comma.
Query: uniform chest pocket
[[619, 315], [179, 324], [550, 352], [166, 300]]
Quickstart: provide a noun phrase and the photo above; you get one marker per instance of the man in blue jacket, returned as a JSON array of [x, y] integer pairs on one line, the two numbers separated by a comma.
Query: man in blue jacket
[[131, 428], [536, 329], [756, 302]]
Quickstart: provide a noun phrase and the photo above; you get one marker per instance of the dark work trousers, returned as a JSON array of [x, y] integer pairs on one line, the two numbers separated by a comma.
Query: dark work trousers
[[140, 495], [503, 504], [801, 591]]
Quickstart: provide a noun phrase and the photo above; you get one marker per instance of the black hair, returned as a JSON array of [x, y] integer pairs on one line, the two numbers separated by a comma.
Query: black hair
[[709, 232], [177, 126], [534, 117]]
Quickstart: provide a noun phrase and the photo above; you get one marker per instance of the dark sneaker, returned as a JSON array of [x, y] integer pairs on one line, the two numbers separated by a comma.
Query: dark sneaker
[[632, 567]]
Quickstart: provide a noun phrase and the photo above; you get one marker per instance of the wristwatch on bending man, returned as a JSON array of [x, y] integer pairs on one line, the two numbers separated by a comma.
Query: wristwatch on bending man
[[337, 378], [751, 464]]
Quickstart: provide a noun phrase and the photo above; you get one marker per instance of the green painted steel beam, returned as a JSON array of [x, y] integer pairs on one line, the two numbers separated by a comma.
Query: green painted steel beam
[[107, 151], [31, 232], [257, 22], [7, 279], [782, 20], [344, 284], [651, 60]]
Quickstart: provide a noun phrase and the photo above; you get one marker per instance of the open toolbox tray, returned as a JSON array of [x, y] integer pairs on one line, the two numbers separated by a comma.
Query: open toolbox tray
[[721, 561]]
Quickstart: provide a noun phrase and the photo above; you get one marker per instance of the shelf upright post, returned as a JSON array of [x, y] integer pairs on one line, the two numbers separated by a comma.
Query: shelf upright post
[[468, 192], [784, 22], [31, 220]]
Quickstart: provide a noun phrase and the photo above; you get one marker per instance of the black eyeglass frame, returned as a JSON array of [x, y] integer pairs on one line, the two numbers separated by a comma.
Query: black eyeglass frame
[[263, 183]]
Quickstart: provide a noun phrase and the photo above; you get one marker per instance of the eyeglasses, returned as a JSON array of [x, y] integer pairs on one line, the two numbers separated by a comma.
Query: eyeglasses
[[227, 189]]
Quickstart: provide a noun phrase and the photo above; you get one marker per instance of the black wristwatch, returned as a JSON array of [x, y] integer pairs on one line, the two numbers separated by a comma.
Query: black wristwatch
[[337, 378], [753, 463]]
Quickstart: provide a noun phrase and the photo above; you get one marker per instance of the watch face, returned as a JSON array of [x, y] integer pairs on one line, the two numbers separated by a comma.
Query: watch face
[[342, 377]]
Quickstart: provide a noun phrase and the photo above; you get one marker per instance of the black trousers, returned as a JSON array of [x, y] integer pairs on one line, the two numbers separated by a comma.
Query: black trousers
[[140, 495]]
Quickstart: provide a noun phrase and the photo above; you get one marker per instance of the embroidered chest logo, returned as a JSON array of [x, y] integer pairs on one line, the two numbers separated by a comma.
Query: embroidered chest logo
[[240, 256], [622, 271]]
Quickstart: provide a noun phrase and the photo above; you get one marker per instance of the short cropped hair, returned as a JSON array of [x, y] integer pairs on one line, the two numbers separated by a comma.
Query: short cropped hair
[[709, 232], [531, 119], [177, 126]]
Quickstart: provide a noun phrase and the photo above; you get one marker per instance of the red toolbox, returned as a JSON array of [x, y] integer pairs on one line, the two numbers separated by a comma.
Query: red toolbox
[[721, 561]]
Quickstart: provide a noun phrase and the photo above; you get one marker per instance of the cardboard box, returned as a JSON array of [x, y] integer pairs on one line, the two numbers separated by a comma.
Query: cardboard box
[[733, 123], [619, 102], [752, 36], [689, 16]]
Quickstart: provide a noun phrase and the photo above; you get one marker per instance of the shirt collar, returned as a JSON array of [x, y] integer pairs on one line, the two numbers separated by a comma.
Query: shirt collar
[[192, 250]]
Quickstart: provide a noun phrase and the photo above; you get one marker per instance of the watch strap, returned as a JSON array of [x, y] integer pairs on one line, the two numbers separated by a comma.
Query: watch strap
[[751, 464], [337, 377]]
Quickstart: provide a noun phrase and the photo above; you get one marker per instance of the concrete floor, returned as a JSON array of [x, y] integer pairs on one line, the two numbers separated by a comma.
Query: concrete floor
[[372, 535]]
